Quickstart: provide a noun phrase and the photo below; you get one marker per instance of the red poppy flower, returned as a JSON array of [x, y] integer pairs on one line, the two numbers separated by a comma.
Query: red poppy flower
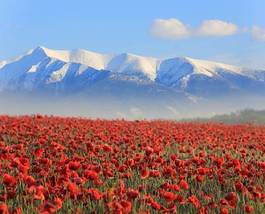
[[132, 194], [184, 185], [91, 174], [127, 206], [74, 165], [239, 186], [194, 200], [47, 207], [145, 173], [231, 197], [95, 193], [9, 180], [4, 208], [249, 209], [38, 152], [168, 196], [199, 178], [224, 210], [149, 150], [18, 210], [73, 189]]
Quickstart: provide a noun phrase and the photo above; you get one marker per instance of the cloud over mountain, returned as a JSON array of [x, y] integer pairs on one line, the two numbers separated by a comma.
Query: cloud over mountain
[[169, 29], [175, 29], [217, 28], [258, 33]]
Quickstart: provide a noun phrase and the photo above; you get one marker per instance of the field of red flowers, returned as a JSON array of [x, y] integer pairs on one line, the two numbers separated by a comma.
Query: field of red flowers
[[71, 165]]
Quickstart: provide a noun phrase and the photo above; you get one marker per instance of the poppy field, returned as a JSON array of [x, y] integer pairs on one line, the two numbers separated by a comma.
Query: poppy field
[[75, 165]]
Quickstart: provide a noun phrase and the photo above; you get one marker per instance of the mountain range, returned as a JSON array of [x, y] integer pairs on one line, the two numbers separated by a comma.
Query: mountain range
[[177, 84]]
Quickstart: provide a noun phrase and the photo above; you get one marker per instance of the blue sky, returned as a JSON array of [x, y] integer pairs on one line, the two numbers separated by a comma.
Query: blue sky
[[127, 26]]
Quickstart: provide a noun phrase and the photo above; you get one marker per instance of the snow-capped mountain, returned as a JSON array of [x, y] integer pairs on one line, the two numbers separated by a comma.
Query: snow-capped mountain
[[86, 83], [133, 65], [61, 71], [206, 78]]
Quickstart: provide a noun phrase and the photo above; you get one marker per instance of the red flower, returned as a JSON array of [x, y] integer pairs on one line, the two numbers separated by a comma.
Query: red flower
[[145, 173], [224, 210], [249, 209], [91, 174], [174, 187], [194, 200], [155, 173], [262, 165], [4, 209], [122, 188], [184, 185], [168, 196], [155, 205], [199, 178], [127, 206], [9, 180], [149, 150], [239, 186], [74, 165], [18, 210], [38, 152], [95, 194], [58, 203], [29, 180], [107, 148], [149, 200], [132, 194], [73, 189], [47, 207], [232, 198], [180, 199]]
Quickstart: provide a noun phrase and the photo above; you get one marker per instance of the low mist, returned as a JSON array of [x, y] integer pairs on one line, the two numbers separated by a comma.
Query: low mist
[[123, 108]]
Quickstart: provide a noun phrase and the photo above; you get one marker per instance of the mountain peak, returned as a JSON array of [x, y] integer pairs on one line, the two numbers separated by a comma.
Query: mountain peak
[[57, 54], [130, 63], [81, 56], [213, 66], [39, 49], [198, 66]]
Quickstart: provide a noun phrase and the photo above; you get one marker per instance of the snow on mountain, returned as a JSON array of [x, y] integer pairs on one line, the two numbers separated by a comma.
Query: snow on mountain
[[11, 73], [64, 70], [2, 64], [209, 68], [58, 75], [123, 63], [34, 68], [133, 64], [88, 58], [181, 71], [174, 69]]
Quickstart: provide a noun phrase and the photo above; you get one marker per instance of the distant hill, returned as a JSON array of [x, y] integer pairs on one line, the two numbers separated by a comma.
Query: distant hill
[[245, 116]]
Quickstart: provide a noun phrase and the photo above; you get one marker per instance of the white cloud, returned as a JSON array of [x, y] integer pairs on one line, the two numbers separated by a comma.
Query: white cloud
[[175, 29], [169, 29], [258, 33], [216, 28]]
